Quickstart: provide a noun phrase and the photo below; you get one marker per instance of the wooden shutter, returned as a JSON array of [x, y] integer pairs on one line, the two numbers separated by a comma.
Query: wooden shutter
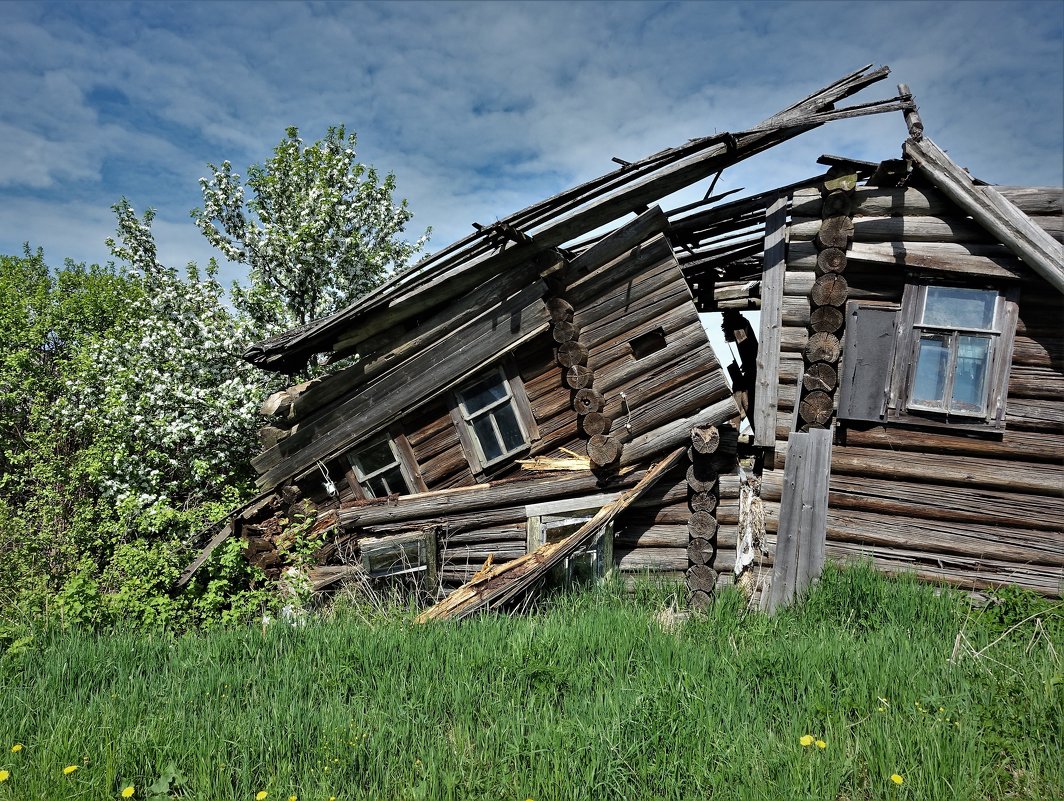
[[867, 358]]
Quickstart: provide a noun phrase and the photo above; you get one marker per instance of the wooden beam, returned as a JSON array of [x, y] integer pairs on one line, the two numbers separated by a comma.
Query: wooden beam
[[562, 218], [991, 210], [506, 582], [768, 350]]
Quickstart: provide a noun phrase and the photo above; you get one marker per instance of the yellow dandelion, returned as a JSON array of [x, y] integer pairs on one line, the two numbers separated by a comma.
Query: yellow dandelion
[[261, 794], [293, 798], [5, 775], [69, 769], [128, 792], [821, 744], [16, 748], [806, 740], [897, 778], [881, 709]]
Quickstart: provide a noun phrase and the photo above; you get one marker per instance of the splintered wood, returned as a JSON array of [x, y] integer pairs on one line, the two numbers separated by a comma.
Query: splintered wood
[[506, 582]]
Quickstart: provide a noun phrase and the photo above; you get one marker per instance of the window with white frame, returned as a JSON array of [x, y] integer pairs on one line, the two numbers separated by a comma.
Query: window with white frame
[[954, 340], [493, 418], [940, 358]]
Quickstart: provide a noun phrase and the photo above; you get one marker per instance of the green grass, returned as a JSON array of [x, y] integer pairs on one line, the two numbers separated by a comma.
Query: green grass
[[587, 698]]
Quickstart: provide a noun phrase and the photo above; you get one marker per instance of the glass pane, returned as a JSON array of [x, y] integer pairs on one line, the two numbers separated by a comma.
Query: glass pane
[[512, 438], [969, 380], [376, 487], [485, 434], [483, 393], [932, 359], [395, 482], [953, 307], [376, 457]]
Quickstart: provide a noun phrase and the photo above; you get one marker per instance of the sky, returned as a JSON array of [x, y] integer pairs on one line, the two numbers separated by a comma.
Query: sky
[[481, 109]]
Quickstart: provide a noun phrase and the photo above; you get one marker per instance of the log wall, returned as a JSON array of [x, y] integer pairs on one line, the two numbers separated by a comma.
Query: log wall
[[646, 375], [969, 509]]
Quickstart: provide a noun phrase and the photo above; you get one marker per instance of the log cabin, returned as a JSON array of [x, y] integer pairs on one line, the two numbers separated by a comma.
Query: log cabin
[[539, 402]]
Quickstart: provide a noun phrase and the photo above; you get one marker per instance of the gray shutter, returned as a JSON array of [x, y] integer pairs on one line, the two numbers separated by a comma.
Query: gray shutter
[[866, 362]]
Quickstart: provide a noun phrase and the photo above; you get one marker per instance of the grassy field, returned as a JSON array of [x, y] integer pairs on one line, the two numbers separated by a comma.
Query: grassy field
[[589, 698]]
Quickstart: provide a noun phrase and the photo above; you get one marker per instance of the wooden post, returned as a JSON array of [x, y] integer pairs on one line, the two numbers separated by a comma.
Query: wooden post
[[768, 352]]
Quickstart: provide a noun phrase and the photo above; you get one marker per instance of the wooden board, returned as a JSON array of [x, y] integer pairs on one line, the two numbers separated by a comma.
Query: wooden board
[[764, 415]]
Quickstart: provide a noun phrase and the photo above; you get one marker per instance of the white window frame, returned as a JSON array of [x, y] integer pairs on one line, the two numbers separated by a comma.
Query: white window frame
[[910, 329]]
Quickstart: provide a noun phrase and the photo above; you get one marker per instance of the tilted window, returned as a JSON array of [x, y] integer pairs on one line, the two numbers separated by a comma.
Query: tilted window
[[493, 418], [384, 467], [940, 358]]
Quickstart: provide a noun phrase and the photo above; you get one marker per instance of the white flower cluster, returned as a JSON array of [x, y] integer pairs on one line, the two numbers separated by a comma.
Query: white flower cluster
[[171, 401]]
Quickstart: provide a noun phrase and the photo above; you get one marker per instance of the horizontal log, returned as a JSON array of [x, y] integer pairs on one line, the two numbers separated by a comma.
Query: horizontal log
[[880, 202], [1036, 382], [959, 571], [1035, 415], [1012, 445], [673, 432], [932, 503], [654, 535], [892, 229], [1029, 478], [994, 261], [650, 558]]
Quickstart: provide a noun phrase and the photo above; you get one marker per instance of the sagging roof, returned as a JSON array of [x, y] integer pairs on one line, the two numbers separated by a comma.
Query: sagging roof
[[561, 219]]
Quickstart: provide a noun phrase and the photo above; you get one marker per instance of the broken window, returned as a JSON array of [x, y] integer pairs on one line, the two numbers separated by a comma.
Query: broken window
[[554, 521], [941, 357], [493, 418], [398, 554]]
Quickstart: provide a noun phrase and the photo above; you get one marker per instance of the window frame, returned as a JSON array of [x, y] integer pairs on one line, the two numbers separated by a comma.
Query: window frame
[[403, 456], [463, 421], [571, 513], [910, 330]]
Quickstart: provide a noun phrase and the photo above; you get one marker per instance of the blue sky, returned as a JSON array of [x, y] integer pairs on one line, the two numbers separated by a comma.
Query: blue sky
[[483, 108]]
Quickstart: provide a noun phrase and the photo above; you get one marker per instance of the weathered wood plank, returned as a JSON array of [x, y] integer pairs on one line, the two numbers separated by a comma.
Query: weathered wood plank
[[785, 557], [630, 235], [772, 280]]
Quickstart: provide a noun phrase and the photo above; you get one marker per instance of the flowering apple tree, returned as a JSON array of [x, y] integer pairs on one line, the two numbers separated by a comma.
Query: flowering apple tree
[[319, 230]]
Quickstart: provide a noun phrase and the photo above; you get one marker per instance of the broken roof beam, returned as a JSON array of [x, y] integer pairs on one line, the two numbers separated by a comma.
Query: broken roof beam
[[1040, 251], [564, 217], [497, 586]]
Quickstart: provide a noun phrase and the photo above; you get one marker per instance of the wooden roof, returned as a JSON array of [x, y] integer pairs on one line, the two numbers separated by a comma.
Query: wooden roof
[[547, 225]]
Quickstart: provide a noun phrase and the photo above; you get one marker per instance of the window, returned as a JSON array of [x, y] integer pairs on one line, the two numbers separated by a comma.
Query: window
[[953, 354], [493, 418], [954, 335], [400, 554], [556, 520], [940, 358], [385, 467]]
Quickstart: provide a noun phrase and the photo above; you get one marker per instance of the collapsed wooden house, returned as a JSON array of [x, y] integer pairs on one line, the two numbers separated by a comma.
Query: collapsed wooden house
[[546, 401]]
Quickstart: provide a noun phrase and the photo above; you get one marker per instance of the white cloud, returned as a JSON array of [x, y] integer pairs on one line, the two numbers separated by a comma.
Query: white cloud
[[480, 108]]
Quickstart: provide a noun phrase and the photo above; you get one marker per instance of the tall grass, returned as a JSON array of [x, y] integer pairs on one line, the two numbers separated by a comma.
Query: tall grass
[[590, 697]]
